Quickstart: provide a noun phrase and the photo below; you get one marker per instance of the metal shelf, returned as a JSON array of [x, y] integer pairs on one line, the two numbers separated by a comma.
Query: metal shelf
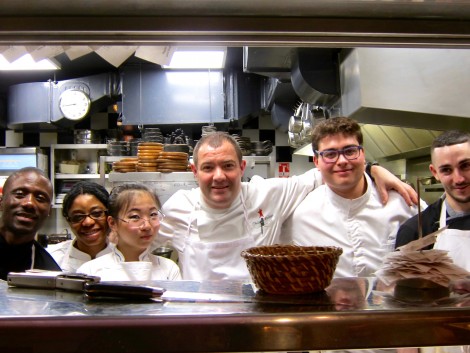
[[157, 176], [84, 146], [76, 176], [150, 176], [89, 147]]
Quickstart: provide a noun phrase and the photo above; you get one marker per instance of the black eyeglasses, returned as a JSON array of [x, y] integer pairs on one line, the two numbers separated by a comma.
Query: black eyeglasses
[[350, 153], [95, 215], [137, 221]]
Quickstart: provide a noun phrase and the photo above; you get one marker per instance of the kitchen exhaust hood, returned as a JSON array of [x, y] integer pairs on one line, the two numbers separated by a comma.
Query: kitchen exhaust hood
[[314, 76], [416, 88], [403, 98], [36, 104]]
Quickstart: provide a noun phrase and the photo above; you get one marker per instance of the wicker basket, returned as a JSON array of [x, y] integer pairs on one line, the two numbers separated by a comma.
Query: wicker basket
[[290, 269]]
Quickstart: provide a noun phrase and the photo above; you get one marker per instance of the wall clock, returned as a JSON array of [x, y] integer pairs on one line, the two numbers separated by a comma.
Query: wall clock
[[74, 104]]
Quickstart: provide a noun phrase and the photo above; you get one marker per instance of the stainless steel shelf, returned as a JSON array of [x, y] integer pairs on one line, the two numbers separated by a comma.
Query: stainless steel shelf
[[83, 146], [258, 159], [88, 148], [157, 176], [76, 176], [150, 176]]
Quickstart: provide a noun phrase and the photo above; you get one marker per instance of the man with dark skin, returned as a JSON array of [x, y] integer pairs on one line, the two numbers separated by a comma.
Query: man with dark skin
[[25, 205]]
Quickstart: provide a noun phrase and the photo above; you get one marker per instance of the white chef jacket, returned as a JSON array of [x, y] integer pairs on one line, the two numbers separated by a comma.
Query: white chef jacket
[[113, 267], [257, 215], [68, 257], [364, 228]]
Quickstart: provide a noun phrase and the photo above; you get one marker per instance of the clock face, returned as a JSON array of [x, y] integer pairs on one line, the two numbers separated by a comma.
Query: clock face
[[74, 104]]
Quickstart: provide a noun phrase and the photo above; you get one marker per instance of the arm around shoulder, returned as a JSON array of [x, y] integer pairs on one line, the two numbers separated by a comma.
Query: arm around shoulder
[[385, 181]]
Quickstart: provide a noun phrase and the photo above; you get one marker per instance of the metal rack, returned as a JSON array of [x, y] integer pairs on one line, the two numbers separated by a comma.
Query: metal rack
[[90, 151]]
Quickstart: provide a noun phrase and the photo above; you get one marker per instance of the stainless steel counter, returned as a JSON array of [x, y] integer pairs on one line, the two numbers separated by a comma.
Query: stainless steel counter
[[352, 313]]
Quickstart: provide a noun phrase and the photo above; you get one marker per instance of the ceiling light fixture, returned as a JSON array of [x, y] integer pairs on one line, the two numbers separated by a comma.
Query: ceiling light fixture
[[26, 62], [194, 58]]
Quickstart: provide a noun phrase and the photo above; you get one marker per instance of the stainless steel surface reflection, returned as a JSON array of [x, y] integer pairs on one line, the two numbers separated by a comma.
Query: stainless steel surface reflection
[[357, 308]]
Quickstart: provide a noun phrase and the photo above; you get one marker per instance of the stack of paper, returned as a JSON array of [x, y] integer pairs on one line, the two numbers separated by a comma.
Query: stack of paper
[[434, 265]]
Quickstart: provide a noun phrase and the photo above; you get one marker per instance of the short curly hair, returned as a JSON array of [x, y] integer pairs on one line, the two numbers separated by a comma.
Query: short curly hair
[[333, 126]]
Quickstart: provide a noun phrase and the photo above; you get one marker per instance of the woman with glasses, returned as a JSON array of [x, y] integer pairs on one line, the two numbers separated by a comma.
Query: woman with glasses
[[134, 217], [85, 209]]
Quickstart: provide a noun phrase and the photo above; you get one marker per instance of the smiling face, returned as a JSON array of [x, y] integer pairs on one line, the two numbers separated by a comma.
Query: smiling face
[[451, 166], [345, 177], [134, 238], [90, 232], [219, 174], [25, 206]]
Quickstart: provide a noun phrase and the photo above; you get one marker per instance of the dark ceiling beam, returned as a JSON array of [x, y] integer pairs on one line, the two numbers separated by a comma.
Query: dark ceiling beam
[[410, 9], [235, 31]]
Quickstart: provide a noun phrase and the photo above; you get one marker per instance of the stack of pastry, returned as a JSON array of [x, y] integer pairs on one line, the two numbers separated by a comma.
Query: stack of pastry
[[172, 162], [125, 165], [147, 154]]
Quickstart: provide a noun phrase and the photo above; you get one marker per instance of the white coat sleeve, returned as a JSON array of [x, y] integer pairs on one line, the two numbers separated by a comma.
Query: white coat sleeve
[[288, 193], [177, 210], [174, 273]]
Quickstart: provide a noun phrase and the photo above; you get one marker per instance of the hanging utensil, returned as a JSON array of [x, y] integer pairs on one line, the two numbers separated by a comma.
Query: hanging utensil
[[295, 124], [307, 120], [420, 217]]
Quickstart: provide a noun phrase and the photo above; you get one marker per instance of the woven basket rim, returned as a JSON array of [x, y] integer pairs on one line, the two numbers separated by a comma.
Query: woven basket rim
[[299, 251], [296, 270]]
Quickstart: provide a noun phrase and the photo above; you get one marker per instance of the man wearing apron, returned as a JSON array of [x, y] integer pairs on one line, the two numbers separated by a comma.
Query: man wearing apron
[[450, 164], [209, 226]]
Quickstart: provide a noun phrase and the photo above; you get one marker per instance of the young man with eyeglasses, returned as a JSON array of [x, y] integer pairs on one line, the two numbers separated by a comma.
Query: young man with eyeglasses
[[346, 211], [25, 205]]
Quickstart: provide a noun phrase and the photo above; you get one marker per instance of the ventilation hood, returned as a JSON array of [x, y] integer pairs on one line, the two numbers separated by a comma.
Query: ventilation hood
[[405, 97], [402, 97], [314, 76], [35, 105], [418, 88], [295, 75]]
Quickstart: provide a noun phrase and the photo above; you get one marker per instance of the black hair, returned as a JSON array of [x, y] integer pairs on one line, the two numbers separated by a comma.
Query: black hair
[[121, 196], [339, 125], [84, 188], [449, 138]]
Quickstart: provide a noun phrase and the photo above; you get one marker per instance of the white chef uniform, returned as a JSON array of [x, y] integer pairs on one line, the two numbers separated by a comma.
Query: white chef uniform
[[68, 257], [112, 267], [455, 241], [209, 241], [364, 228]]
